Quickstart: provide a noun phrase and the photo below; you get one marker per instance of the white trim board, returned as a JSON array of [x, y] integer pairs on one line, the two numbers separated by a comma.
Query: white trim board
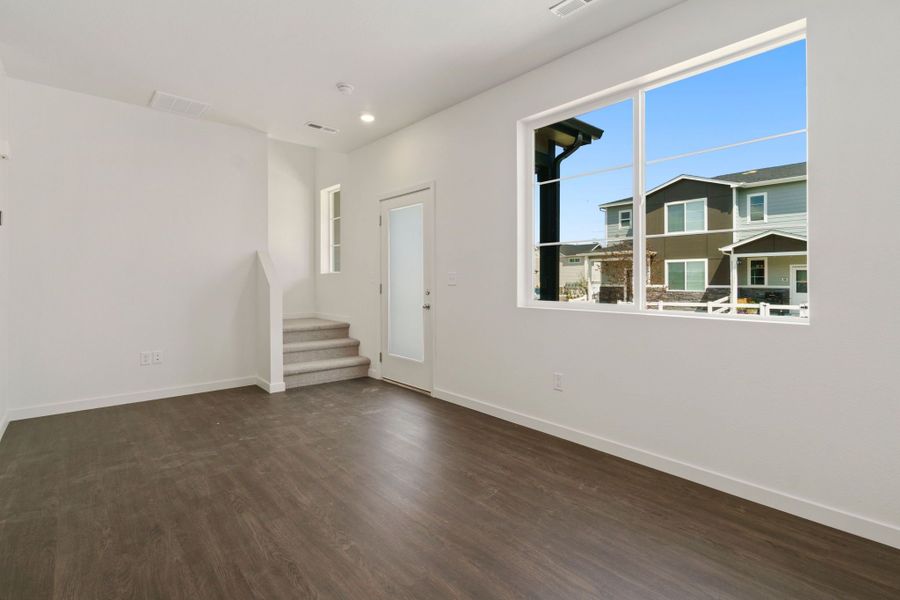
[[878, 531], [3, 424], [269, 386], [58, 408]]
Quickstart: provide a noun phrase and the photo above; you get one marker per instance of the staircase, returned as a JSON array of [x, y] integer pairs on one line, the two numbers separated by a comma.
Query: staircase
[[320, 351]]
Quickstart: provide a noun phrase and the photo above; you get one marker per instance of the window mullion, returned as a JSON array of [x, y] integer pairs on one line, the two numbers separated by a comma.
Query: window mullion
[[639, 268]]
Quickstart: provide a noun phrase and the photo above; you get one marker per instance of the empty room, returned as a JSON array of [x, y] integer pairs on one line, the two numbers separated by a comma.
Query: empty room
[[497, 299]]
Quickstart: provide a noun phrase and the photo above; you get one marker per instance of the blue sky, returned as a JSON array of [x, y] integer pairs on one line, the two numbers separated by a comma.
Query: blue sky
[[759, 96]]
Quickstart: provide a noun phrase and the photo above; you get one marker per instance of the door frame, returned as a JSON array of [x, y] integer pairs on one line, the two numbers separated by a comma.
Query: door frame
[[429, 187]]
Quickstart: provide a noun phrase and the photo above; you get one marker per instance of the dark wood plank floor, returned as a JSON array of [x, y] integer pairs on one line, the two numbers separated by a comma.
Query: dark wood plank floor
[[362, 490]]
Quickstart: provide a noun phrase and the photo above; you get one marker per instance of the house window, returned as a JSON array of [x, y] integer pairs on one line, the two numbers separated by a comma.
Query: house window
[[756, 208], [574, 261], [758, 271], [686, 275], [686, 162], [330, 213], [687, 216]]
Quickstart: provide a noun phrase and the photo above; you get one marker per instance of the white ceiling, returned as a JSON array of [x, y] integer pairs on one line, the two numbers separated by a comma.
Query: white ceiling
[[272, 64]]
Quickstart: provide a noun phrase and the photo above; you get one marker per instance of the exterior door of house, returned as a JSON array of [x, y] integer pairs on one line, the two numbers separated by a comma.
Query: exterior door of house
[[799, 284], [407, 245]]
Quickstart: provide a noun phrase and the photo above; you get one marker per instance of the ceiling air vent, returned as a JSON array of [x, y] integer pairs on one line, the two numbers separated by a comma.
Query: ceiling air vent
[[321, 127], [177, 104], [567, 7]]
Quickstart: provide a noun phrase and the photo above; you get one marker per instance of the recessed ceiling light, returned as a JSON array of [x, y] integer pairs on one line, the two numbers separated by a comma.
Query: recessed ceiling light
[[367, 117]]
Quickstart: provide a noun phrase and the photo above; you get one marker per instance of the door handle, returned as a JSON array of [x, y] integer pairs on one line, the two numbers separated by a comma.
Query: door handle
[[426, 306]]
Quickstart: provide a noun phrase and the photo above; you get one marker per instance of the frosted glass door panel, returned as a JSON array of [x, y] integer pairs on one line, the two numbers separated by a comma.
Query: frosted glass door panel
[[406, 283]]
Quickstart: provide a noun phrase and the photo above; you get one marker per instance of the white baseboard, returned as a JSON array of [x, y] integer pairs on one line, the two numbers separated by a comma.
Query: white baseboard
[[884, 533], [57, 408], [272, 388], [374, 374]]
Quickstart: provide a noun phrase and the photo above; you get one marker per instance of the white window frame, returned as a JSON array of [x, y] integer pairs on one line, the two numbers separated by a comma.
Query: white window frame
[[765, 197], [765, 261], [573, 260], [327, 222], [625, 212], [635, 91], [685, 203], [705, 262]]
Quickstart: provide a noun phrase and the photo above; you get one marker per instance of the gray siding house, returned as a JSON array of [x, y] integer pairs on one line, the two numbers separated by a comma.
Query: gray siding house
[[740, 235]]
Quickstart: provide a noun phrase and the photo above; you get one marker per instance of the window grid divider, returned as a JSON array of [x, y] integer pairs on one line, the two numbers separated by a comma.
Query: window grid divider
[[639, 245]]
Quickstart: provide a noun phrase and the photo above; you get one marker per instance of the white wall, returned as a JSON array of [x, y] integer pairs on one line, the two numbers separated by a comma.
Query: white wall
[[131, 230], [292, 209], [269, 325], [333, 168], [4, 262], [819, 436]]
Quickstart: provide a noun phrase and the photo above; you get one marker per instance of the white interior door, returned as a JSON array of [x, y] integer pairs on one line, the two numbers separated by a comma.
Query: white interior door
[[406, 291]]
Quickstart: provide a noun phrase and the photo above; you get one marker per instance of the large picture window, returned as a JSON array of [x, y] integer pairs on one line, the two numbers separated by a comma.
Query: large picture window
[[686, 217], [686, 275], [685, 193]]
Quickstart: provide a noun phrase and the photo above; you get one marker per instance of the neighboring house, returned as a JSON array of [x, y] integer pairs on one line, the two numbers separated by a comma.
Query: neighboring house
[[575, 274], [584, 267], [742, 235]]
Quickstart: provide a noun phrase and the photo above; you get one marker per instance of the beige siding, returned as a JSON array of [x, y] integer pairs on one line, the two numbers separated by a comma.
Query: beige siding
[[569, 272]]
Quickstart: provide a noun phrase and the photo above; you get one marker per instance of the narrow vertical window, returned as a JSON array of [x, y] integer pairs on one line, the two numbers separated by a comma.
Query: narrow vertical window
[[330, 249], [758, 271]]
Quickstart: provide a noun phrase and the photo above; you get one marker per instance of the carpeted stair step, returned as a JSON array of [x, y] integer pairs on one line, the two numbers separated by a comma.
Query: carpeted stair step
[[308, 330], [296, 352], [324, 371]]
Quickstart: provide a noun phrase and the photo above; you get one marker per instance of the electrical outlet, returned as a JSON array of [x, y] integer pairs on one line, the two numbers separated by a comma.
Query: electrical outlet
[[146, 358], [157, 357], [558, 382]]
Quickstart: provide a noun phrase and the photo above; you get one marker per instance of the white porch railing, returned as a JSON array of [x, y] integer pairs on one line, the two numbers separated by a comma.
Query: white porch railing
[[722, 306]]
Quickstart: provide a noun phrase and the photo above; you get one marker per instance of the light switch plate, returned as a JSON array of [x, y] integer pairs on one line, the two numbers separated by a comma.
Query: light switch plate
[[558, 382], [146, 358]]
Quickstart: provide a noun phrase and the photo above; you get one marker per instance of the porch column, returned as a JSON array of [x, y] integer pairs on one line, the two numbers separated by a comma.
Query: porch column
[[734, 283]]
